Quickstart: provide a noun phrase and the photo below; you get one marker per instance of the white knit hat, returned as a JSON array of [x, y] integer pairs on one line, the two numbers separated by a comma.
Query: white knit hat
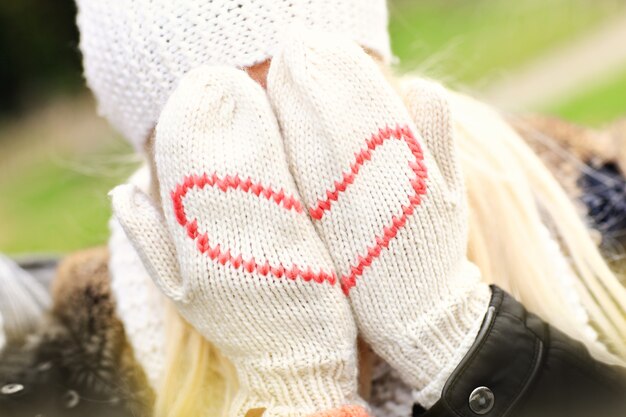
[[135, 51]]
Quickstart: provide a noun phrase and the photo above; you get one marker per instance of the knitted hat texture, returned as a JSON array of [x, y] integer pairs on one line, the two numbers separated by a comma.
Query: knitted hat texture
[[135, 51]]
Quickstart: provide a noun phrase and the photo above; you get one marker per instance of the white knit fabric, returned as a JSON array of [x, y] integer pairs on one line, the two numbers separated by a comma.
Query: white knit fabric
[[238, 254], [135, 51], [392, 213], [390, 396], [138, 302]]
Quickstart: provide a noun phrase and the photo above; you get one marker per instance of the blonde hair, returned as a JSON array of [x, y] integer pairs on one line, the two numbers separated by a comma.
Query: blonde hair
[[198, 380], [517, 212]]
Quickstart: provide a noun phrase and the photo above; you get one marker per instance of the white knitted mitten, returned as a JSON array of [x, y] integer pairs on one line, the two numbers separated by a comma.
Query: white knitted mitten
[[389, 204], [237, 252]]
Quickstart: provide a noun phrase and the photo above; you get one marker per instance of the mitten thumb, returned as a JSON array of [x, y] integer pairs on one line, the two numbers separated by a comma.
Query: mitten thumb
[[146, 228], [428, 105]]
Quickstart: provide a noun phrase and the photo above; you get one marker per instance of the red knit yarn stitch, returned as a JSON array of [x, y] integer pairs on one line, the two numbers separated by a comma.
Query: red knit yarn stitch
[[418, 184], [223, 255], [317, 212]]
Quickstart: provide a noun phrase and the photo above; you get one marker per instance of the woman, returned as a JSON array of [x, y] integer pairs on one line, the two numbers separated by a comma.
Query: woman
[[135, 56]]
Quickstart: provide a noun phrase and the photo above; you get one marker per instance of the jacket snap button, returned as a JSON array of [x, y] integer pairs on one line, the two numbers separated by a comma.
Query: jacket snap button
[[481, 400]]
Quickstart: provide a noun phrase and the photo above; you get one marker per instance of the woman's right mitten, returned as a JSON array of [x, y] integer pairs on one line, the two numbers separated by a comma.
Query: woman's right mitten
[[235, 250]]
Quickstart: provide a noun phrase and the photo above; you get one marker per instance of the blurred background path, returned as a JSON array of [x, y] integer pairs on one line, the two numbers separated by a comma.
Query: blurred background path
[[597, 56]]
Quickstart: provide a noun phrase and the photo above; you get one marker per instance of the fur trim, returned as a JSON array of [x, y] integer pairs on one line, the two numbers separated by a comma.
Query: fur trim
[[79, 362], [587, 163]]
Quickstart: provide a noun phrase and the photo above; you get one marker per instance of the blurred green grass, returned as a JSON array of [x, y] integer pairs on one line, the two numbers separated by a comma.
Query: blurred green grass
[[58, 202], [53, 208], [468, 42], [48, 204]]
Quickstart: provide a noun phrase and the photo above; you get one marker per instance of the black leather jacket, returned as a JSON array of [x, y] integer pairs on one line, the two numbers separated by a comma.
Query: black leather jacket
[[520, 366]]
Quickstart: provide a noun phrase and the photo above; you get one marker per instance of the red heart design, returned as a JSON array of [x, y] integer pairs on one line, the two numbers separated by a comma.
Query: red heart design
[[224, 256], [418, 184], [289, 202]]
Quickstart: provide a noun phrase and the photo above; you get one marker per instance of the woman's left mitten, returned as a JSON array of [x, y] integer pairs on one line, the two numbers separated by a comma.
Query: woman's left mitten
[[233, 247], [387, 197]]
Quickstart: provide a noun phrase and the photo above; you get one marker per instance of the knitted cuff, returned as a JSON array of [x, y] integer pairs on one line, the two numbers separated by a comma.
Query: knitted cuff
[[299, 385], [448, 338]]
